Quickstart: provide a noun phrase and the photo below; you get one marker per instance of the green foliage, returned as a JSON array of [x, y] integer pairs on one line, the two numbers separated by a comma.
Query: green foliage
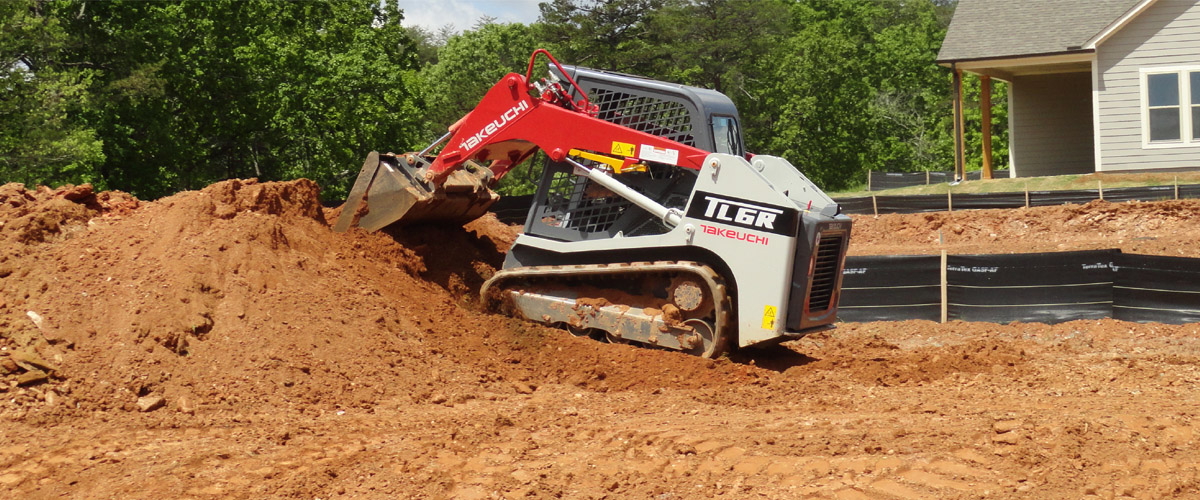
[[699, 42], [467, 66], [856, 89], [40, 141], [973, 129], [428, 42], [613, 35], [155, 97], [524, 179], [187, 93]]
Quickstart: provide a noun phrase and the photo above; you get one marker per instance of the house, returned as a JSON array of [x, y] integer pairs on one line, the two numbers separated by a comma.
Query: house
[[1094, 85]]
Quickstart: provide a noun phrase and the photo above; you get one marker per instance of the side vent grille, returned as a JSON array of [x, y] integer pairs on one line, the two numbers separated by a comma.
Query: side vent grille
[[824, 277]]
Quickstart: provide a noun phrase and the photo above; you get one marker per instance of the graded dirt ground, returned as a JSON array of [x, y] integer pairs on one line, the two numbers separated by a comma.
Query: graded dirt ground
[[225, 343]]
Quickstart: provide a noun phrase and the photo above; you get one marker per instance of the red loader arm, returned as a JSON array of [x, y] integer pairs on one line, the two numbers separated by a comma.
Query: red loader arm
[[509, 124], [506, 128]]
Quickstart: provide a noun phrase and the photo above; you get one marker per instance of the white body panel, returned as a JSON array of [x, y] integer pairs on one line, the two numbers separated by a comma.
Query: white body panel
[[760, 260]]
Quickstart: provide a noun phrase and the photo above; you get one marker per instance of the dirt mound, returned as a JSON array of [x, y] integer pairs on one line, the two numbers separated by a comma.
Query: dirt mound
[[34, 216], [239, 296], [1156, 228], [191, 299]]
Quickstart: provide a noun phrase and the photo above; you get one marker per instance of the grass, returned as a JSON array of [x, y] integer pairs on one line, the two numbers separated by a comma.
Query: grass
[[1051, 183]]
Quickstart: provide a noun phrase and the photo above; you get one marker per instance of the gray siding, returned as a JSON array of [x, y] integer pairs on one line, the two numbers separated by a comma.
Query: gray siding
[[1166, 34], [1052, 124]]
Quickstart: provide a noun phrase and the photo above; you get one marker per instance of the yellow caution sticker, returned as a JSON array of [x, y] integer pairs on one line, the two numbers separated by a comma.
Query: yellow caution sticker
[[623, 149], [769, 317]]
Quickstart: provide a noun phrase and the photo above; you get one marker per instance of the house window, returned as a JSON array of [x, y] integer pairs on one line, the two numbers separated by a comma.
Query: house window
[[1171, 106], [1163, 95], [1195, 92]]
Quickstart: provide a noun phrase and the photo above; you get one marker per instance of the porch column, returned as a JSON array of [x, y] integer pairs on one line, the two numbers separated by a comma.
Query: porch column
[[959, 159], [985, 106]]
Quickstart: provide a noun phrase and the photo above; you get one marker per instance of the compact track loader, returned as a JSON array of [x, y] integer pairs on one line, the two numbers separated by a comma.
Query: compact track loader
[[651, 223]]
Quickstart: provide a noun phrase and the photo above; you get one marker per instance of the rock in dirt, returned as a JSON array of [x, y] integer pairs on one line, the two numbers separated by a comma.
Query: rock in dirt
[[8, 366], [29, 360], [32, 377], [35, 318], [185, 405], [75, 193], [1006, 438], [1004, 426], [150, 403]]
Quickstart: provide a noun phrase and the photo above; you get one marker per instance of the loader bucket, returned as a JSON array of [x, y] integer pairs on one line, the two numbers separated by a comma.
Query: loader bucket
[[392, 189]]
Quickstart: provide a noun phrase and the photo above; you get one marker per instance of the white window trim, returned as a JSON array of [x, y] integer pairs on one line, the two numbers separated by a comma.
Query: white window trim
[[1185, 107]]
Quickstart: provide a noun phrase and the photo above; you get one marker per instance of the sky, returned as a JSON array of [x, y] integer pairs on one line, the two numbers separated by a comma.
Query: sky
[[433, 14]]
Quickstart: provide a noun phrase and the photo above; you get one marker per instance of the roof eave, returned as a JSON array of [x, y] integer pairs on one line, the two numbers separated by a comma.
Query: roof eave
[[1116, 25], [1018, 57]]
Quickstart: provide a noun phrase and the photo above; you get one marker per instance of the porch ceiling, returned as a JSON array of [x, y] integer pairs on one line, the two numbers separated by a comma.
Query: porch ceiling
[[1008, 68]]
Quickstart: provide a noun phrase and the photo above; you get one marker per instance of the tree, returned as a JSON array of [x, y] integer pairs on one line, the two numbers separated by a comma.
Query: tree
[[195, 92], [428, 42], [910, 102], [855, 88], [468, 65], [602, 34], [42, 138], [716, 44]]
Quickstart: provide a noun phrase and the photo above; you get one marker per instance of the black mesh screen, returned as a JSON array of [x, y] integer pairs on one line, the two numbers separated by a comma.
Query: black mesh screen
[[660, 117], [574, 202]]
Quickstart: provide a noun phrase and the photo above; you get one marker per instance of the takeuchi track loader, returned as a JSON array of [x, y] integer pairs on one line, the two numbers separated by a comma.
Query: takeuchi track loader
[[651, 223]]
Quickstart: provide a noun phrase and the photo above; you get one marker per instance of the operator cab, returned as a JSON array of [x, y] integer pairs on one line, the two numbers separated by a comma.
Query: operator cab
[[567, 207], [698, 117]]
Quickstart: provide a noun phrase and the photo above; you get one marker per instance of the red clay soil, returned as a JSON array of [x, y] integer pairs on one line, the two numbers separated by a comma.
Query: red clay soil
[[225, 343], [1154, 228]]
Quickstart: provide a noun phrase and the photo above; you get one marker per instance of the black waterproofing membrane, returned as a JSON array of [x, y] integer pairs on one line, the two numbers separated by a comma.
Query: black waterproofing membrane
[[861, 205], [1153, 288], [939, 202], [893, 180], [1034, 287], [1142, 193], [512, 209], [906, 204], [891, 287]]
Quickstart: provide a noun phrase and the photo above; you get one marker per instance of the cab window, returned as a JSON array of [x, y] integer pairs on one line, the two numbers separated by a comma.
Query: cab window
[[726, 136]]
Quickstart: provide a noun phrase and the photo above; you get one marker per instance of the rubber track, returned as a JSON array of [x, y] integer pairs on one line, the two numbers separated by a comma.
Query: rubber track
[[716, 285]]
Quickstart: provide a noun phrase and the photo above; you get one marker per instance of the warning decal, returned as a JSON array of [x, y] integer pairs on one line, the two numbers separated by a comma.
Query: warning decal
[[769, 318], [623, 149], [661, 155]]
